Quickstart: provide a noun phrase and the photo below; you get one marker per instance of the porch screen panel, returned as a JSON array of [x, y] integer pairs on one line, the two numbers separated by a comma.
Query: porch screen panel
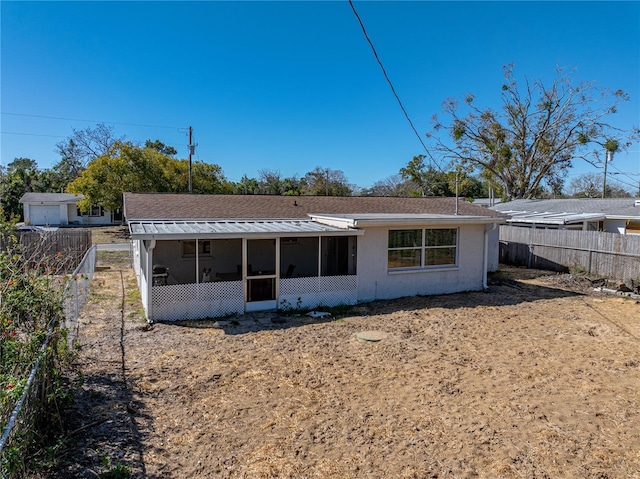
[[298, 257], [338, 255]]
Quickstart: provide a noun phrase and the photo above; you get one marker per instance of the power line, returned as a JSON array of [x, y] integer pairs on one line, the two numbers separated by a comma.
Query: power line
[[30, 134], [393, 90], [90, 121]]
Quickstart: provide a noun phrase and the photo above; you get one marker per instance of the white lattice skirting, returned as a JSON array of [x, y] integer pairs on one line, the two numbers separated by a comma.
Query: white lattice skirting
[[213, 300], [313, 292], [197, 301]]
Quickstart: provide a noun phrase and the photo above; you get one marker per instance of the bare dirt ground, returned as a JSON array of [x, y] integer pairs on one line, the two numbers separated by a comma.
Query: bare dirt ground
[[536, 378]]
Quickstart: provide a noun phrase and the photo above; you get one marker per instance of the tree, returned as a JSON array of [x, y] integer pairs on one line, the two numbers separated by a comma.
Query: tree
[[85, 145], [21, 176], [590, 185], [129, 168], [326, 182], [427, 181], [532, 141], [394, 185], [160, 147]]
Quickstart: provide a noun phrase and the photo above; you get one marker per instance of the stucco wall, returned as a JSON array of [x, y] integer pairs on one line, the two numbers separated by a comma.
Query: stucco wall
[[376, 282]]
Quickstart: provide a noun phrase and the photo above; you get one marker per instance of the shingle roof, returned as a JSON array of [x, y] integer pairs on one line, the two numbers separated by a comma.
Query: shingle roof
[[49, 198], [138, 206], [610, 207]]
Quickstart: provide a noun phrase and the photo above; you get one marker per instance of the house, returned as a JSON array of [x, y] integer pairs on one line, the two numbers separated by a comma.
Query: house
[[613, 215], [202, 256], [60, 209]]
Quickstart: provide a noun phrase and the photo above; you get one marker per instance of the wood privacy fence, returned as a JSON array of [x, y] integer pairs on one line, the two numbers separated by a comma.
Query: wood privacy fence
[[64, 246], [608, 255]]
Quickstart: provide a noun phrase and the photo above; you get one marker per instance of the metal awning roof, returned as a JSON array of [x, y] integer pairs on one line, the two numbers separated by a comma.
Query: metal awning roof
[[534, 217], [232, 229]]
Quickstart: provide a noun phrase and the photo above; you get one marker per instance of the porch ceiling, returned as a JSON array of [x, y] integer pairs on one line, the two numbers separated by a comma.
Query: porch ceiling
[[231, 229]]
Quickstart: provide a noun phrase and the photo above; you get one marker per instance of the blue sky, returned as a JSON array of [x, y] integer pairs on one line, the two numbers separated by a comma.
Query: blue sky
[[293, 85]]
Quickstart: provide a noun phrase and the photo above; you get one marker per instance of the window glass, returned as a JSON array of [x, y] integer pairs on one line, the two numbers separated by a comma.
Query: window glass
[[441, 237], [406, 248], [405, 238], [404, 258]]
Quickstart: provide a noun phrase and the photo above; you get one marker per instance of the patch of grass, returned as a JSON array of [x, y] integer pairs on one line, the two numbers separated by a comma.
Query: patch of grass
[[114, 259], [109, 234]]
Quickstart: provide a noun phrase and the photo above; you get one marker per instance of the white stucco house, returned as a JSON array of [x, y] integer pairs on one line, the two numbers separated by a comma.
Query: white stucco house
[[611, 215], [60, 209], [205, 256]]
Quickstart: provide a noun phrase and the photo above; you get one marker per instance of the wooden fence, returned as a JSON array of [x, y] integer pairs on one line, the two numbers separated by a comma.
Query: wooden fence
[[607, 255], [63, 247]]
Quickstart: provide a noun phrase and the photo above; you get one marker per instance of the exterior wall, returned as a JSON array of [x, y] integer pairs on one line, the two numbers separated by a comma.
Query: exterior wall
[[66, 214], [376, 282], [183, 298], [615, 226]]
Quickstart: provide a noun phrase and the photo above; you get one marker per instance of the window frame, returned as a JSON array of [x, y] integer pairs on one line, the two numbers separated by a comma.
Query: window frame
[[424, 249], [204, 248]]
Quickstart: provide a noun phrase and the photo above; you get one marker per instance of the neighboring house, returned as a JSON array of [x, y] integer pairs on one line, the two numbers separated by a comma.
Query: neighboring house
[[487, 202], [202, 256], [60, 209], [613, 215]]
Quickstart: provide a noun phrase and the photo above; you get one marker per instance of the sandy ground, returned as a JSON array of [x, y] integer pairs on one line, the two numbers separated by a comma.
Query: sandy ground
[[536, 378]]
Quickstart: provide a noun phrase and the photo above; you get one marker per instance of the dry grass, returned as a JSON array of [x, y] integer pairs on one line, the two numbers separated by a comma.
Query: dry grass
[[518, 382], [109, 234]]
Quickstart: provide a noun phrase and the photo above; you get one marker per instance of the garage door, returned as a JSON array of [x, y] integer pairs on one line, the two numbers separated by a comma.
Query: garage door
[[44, 215]]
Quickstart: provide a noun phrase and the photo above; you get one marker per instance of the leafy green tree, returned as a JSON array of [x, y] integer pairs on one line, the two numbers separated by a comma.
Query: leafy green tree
[[21, 176], [129, 168], [160, 147], [326, 182], [532, 141], [246, 186], [426, 181]]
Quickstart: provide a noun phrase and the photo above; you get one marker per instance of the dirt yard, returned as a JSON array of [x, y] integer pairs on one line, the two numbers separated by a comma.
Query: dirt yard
[[536, 378]]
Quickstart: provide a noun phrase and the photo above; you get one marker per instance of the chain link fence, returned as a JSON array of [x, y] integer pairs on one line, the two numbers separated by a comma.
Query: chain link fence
[[22, 425]]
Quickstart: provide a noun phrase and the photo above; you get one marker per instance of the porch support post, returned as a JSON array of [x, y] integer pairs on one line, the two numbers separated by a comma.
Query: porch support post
[[319, 256], [197, 262]]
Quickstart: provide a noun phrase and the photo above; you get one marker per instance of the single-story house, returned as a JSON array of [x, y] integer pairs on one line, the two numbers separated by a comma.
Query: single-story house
[[612, 215], [60, 209], [203, 256]]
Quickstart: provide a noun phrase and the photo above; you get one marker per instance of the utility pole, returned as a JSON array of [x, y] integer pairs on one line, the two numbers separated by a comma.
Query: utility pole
[[604, 181], [191, 147]]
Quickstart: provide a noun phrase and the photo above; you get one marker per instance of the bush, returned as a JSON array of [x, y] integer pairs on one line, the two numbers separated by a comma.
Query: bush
[[30, 305]]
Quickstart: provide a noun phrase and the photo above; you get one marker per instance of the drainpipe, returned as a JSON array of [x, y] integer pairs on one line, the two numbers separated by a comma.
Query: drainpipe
[[485, 261], [149, 268]]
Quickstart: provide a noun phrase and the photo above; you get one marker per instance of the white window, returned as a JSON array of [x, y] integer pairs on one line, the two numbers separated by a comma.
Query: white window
[[422, 248], [96, 210], [189, 248]]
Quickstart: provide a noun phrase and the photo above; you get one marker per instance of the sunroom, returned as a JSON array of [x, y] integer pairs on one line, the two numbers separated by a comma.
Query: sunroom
[[207, 269]]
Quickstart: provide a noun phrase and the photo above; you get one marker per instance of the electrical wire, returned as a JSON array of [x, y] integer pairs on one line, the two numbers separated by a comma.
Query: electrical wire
[[393, 90], [30, 134], [89, 121]]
